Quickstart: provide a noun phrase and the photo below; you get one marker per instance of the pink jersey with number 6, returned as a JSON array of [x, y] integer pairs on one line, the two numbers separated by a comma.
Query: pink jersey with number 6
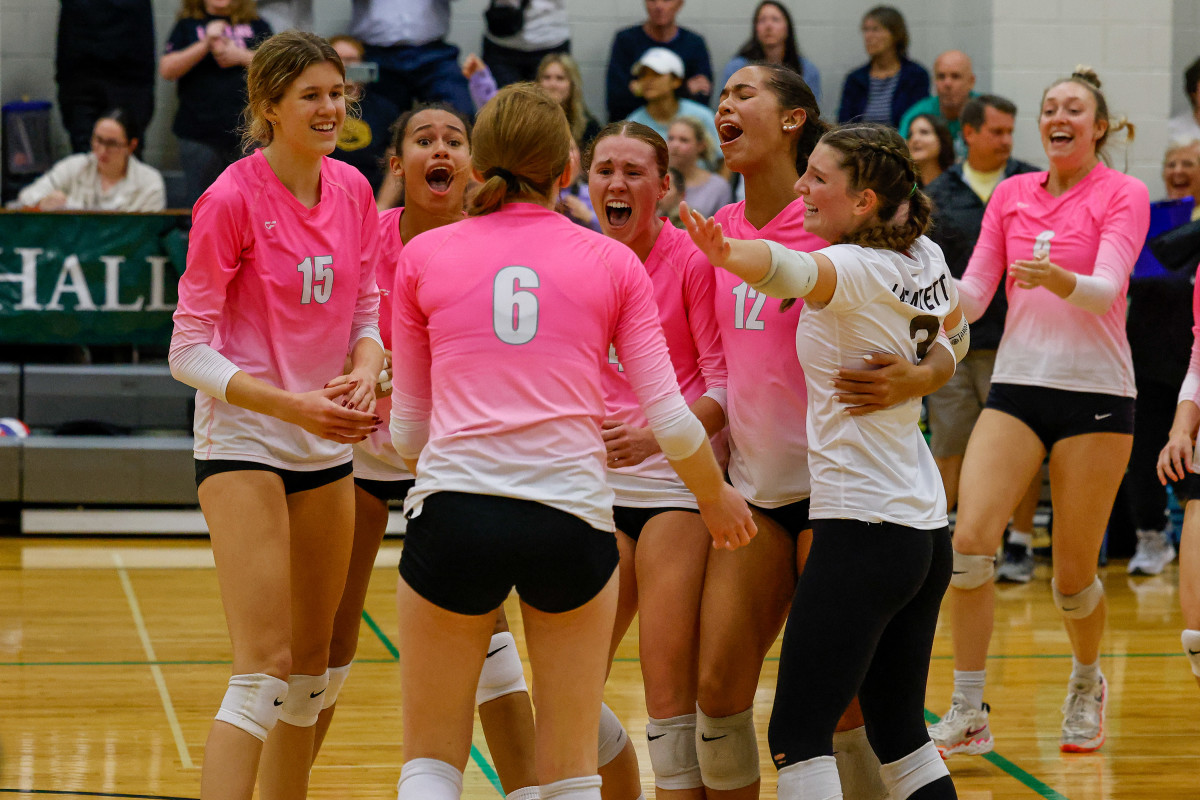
[[504, 322]]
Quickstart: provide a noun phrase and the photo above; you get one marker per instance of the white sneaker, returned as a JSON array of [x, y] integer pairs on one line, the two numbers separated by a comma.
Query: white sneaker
[[963, 730], [1154, 552], [1017, 566], [1083, 716]]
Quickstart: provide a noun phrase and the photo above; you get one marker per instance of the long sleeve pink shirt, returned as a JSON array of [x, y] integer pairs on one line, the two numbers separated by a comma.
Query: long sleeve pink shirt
[[768, 401], [505, 322], [683, 287], [281, 292], [1096, 228], [1191, 383]]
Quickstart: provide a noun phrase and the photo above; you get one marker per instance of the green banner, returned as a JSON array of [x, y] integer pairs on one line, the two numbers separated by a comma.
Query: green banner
[[72, 278]]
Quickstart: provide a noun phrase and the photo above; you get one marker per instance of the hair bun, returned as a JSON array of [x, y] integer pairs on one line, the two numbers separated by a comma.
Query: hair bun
[[1085, 73]]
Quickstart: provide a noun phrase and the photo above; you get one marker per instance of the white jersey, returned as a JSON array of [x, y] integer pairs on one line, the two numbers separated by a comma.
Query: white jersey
[[877, 467]]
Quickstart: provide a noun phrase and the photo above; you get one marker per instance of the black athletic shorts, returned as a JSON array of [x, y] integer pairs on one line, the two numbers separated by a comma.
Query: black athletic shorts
[[465, 553], [792, 517], [631, 520], [1054, 414], [385, 490], [293, 480]]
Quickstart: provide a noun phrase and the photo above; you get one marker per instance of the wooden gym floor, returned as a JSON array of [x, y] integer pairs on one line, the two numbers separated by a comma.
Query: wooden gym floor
[[114, 657]]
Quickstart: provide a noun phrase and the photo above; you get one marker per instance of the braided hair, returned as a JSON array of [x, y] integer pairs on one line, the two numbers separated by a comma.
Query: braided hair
[[876, 157]]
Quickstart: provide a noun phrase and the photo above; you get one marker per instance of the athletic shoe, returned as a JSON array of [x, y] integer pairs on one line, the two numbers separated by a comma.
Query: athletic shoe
[[1017, 566], [963, 730], [1083, 716], [1154, 552]]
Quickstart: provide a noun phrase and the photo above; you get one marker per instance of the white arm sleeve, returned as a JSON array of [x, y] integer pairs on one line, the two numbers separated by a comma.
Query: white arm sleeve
[[960, 339], [203, 368], [721, 395], [1092, 293], [366, 331], [678, 431], [409, 437], [792, 273]]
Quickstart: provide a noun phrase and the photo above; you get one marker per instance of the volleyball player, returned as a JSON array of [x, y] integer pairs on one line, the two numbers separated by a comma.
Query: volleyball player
[[1064, 241], [663, 542], [279, 287], [433, 157], [866, 605], [506, 320], [1177, 463], [769, 123]]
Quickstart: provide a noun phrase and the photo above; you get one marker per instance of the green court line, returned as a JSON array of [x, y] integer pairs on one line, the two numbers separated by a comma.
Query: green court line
[[1011, 769], [379, 634], [480, 760], [1010, 657]]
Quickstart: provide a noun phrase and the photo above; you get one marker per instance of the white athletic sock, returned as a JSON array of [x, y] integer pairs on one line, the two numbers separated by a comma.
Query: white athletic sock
[[1085, 672], [969, 683], [585, 788], [528, 793], [858, 765], [1021, 537], [429, 779], [815, 779]]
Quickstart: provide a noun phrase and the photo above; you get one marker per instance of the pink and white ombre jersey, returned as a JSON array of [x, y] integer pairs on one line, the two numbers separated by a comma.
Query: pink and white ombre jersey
[[277, 289], [768, 444], [683, 287], [375, 459], [1097, 228], [1191, 383], [505, 322]]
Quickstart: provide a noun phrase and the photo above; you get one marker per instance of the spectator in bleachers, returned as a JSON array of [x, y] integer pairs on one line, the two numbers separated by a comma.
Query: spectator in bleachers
[[658, 31], [363, 142], [930, 145], [669, 205], [960, 196], [690, 149], [407, 39], [559, 75], [658, 77], [104, 59], [1159, 327], [207, 53], [109, 178], [954, 83], [773, 40], [575, 201], [1186, 127], [518, 56], [890, 83]]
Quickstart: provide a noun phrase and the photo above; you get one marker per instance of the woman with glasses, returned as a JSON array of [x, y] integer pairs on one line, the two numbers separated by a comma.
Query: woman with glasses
[[109, 178]]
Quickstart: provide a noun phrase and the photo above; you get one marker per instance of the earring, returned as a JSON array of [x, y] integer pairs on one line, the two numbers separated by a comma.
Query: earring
[[790, 128]]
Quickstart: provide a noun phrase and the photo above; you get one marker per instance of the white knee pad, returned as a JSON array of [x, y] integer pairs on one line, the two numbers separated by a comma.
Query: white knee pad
[[502, 673], [429, 779], [971, 572], [919, 768], [337, 676], [815, 779], [672, 744], [305, 699], [253, 703], [612, 735], [727, 750], [1080, 604], [1191, 649]]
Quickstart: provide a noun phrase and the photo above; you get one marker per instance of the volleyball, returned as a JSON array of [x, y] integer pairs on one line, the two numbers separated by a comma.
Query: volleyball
[[11, 426]]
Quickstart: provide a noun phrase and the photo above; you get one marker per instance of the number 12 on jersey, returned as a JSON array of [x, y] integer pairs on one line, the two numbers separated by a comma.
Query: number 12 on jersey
[[514, 307], [741, 320]]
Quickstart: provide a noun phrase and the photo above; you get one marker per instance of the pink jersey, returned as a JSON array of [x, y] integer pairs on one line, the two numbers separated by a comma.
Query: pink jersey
[[1191, 383], [1096, 228], [768, 444], [375, 459], [277, 289], [683, 287], [505, 322]]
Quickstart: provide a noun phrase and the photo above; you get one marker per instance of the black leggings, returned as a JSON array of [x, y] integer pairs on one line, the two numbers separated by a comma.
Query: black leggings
[[862, 623]]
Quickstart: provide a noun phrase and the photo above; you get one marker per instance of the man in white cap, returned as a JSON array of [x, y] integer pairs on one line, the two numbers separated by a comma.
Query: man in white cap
[[658, 75]]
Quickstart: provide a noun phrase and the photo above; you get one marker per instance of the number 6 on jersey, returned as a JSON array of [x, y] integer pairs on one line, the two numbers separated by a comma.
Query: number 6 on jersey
[[514, 309]]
